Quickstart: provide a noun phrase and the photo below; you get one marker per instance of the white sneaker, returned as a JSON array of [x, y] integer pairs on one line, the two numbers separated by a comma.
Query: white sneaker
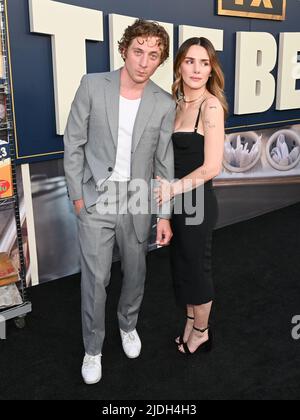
[[91, 369], [131, 344]]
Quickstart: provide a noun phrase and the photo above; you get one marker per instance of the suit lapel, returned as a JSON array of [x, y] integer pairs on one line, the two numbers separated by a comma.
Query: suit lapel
[[145, 111], [112, 99]]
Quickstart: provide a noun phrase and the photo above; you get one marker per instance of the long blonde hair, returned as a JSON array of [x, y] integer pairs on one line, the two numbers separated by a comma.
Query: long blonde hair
[[215, 84]]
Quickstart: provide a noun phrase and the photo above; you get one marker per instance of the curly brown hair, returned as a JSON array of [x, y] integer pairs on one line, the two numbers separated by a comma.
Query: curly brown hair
[[144, 29]]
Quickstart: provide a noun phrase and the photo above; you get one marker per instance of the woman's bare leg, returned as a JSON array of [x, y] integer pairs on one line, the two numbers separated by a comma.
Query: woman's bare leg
[[189, 323]]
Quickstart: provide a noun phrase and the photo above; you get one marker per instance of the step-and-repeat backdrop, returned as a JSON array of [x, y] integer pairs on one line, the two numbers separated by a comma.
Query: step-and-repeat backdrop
[[53, 43]]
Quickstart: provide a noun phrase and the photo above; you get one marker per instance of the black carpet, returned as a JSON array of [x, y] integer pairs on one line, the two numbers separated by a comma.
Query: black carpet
[[257, 279]]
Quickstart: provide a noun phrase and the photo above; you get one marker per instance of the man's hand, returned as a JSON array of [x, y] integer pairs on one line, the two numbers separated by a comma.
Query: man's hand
[[78, 206], [164, 232]]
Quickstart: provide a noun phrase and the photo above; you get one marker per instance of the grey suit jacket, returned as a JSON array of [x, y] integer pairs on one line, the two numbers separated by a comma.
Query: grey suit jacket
[[91, 139]]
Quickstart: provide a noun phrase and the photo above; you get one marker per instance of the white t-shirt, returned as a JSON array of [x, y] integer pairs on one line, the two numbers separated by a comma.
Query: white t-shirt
[[128, 109]]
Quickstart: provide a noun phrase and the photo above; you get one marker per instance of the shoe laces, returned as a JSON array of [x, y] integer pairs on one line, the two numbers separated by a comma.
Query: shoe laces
[[90, 361], [129, 337]]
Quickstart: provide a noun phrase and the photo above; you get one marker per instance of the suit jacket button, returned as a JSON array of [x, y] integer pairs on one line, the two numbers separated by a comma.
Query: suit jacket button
[[110, 169]]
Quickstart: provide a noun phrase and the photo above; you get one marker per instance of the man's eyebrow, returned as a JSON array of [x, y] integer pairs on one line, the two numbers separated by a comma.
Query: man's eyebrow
[[141, 50]]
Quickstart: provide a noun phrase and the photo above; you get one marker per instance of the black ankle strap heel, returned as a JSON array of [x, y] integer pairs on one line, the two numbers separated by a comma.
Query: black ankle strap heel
[[199, 329], [203, 348]]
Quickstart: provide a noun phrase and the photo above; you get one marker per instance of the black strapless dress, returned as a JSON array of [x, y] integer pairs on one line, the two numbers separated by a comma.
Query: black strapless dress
[[191, 245]]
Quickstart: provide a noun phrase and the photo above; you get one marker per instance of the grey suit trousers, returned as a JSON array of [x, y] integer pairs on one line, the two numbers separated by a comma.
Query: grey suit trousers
[[97, 235]]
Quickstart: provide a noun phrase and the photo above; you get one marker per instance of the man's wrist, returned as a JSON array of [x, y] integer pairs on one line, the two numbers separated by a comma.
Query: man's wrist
[[162, 218]]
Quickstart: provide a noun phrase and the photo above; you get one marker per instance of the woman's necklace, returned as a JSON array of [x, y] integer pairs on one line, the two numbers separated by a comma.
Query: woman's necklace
[[193, 100]]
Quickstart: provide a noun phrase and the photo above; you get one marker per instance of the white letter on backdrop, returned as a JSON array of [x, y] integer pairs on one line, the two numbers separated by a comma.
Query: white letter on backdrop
[[69, 26], [288, 97], [255, 59], [214, 35]]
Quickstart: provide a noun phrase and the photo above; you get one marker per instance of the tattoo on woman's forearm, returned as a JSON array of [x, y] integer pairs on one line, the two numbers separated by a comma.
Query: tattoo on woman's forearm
[[203, 172]]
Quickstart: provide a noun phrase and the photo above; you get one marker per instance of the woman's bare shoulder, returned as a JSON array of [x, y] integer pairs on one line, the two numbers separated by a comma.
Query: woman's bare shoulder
[[212, 102]]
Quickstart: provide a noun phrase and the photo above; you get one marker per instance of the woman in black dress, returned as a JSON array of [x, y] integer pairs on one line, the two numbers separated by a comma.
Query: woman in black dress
[[198, 151]]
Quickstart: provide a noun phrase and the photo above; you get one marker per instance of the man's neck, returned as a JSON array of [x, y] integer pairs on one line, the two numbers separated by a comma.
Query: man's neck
[[130, 89]]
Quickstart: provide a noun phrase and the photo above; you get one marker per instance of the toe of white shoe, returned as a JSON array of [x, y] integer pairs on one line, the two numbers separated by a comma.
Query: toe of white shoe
[[132, 353], [91, 377], [91, 370]]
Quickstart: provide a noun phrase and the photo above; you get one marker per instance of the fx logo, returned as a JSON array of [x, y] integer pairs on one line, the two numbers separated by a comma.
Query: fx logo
[[2, 328], [259, 9], [256, 3]]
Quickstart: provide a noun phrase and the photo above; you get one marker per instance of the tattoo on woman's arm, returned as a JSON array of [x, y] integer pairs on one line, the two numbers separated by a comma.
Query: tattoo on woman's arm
[[210, 124]]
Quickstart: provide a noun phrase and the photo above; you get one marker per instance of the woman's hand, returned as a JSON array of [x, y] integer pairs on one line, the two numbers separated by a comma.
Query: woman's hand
[[164, 192], [78, 206]]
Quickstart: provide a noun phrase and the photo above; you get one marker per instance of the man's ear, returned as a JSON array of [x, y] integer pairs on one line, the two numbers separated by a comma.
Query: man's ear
[[124, 54]]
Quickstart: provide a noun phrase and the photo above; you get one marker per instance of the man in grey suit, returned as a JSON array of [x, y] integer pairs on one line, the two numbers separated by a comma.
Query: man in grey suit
[[119, 130]]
